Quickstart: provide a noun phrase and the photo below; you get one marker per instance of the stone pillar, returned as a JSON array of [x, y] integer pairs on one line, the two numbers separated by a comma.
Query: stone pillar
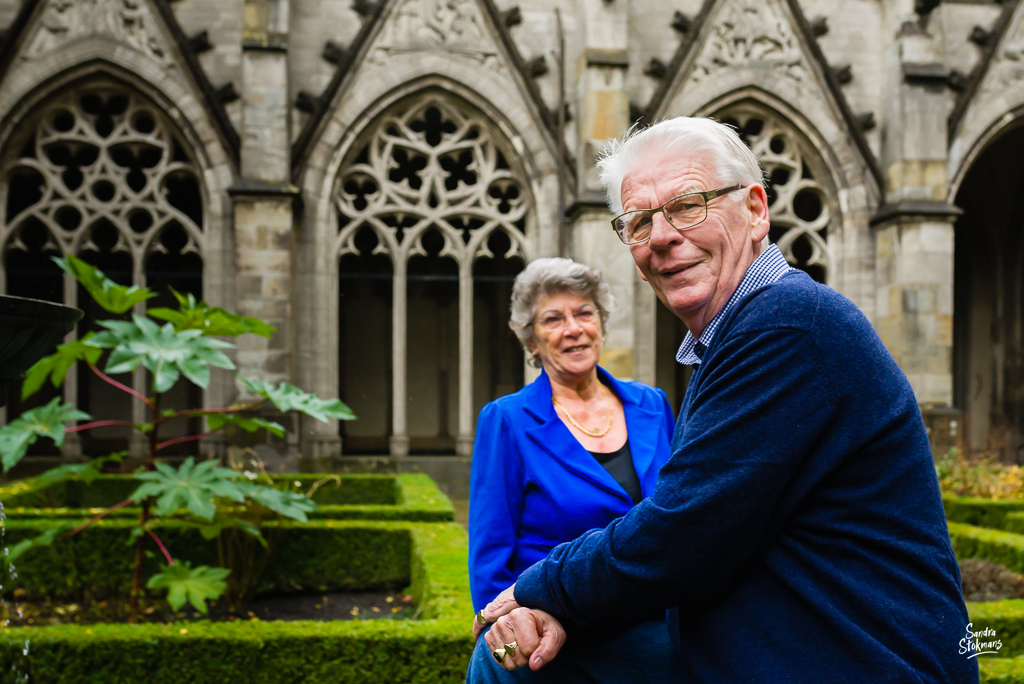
[[914, 227], [603, 105], [264, 198]]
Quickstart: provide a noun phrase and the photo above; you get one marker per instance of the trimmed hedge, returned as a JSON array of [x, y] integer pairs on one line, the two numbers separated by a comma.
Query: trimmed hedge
[[980, 512], [432, 650], [1006, 618], [412, 496], [1005, 548], [324, 555]]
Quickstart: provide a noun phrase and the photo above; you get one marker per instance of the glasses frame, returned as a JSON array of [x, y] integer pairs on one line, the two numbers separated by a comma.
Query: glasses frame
[[708, 195]]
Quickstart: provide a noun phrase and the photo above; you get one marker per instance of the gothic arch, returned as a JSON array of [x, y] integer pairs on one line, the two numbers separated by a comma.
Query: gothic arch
[[848, 191], [425, 167], [801, 191], [968, 145], [322, 243], [92, 166]]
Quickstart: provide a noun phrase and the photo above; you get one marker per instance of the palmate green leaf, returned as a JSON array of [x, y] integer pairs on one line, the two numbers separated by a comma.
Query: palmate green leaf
[[218, 420], [45, 539], [86, 472], [191, 486], [56, 365], [108, 294], [287, 503], [46, 421], [193, 315], [287, 397], [166, 352], [185, 583]]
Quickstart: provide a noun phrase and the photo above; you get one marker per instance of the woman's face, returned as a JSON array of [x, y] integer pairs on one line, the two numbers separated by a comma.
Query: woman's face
[[567, 334]]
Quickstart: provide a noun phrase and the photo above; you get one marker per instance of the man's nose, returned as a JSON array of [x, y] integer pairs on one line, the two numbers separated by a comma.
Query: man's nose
[[663, 233]]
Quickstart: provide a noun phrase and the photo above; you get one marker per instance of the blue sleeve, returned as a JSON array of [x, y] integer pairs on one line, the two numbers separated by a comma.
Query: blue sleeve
[[760, 410], [661, 456], [496, 486]]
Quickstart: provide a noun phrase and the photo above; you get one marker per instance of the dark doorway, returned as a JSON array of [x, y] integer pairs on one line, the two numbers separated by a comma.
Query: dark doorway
[[988, 349]]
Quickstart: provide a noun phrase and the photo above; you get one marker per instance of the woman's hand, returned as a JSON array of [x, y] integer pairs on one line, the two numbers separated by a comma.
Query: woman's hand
[[503, 604]]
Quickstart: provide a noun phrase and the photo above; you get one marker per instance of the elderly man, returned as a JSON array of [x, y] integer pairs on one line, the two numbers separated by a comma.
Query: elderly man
[[797, 533]]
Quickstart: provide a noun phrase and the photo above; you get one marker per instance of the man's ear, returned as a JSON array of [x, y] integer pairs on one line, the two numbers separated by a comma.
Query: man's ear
[[757, 204], [641, 274]]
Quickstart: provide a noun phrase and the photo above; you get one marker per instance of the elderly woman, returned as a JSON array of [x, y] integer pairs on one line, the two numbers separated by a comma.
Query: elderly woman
[[568, 453]]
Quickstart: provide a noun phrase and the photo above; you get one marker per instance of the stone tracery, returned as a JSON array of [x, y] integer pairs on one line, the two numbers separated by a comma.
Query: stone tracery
[[431, 163], [800, 210], [431, 181], [103, 156]]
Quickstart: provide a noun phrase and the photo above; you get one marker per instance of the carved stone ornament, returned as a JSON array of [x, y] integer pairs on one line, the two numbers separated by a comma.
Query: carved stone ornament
[[448, 26], [430, 164], [128, 21], [798, 204], [1007, 68], [751, 33], [99, 169]]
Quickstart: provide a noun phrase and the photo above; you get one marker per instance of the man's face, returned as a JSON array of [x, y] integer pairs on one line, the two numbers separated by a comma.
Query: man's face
[[694, 272]]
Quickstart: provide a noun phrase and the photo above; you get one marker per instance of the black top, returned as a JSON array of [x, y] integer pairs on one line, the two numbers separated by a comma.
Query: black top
[[619, 465]]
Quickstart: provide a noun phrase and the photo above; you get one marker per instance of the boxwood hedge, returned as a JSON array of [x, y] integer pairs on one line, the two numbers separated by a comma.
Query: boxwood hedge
[[980, 512], [411, 496], [435, 648]]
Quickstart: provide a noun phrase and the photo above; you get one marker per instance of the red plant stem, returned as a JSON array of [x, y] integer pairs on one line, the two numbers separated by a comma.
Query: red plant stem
[[194, 412], [102, 515], [140, 545], [98, 423], [124, 388], [167, 555], [187, 438]]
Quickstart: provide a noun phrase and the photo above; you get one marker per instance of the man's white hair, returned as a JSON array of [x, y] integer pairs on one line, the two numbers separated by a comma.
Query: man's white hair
[[684, 136]]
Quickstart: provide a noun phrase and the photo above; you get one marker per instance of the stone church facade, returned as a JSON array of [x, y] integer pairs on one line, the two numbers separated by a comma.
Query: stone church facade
[[369, 176]]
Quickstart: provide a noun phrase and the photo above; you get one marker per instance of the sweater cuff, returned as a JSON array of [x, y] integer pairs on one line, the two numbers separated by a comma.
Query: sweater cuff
[[531, 588]]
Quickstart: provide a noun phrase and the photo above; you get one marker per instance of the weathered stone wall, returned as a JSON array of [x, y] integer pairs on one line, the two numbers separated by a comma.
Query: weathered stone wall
[[867, 87]]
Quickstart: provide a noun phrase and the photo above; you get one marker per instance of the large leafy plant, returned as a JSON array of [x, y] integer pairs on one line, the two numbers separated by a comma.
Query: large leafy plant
[[202, 494]]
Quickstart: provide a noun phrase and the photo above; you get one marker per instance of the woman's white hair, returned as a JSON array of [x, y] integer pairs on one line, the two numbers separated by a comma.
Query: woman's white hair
[[549, 276], [685, 136]]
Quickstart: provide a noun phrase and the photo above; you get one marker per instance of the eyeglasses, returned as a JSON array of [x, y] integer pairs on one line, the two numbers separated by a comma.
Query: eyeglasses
[[682, 212], [554, 320]]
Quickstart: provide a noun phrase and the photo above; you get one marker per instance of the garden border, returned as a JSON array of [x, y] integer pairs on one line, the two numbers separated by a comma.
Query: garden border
[[416, 497], [435, 648]]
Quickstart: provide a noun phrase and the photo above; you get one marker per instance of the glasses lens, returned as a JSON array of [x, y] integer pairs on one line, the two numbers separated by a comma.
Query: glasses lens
[[633, 226], [686, 211]]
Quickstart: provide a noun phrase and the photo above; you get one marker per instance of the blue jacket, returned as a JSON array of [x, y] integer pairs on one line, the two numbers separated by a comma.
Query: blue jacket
[[533, 486], [798, 526]]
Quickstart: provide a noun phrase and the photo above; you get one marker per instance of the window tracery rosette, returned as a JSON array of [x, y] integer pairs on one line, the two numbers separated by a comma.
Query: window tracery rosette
[[801, 211], [431, 164], [95, 158]]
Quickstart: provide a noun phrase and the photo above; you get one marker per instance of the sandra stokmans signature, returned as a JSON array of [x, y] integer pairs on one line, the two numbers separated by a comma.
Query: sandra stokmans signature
[[973, 644]]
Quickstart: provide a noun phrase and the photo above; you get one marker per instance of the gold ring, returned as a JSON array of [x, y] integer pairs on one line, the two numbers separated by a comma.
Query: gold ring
[[480, 617], [499, 655], [510, 649]]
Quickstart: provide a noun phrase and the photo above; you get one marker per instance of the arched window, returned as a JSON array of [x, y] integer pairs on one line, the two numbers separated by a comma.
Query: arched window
[[98, 171], [800, 208], [432, 186]]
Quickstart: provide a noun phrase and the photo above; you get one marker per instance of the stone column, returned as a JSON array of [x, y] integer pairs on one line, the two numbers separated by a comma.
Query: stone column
[[399, 441], [264, 198], [464, 440], [603, 105], [914, 227]]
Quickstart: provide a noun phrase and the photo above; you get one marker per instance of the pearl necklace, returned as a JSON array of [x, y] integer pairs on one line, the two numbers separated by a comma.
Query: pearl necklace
[[598, 432]]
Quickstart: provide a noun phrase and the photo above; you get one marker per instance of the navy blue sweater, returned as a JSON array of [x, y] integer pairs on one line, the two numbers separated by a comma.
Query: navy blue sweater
[[798, 527]]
